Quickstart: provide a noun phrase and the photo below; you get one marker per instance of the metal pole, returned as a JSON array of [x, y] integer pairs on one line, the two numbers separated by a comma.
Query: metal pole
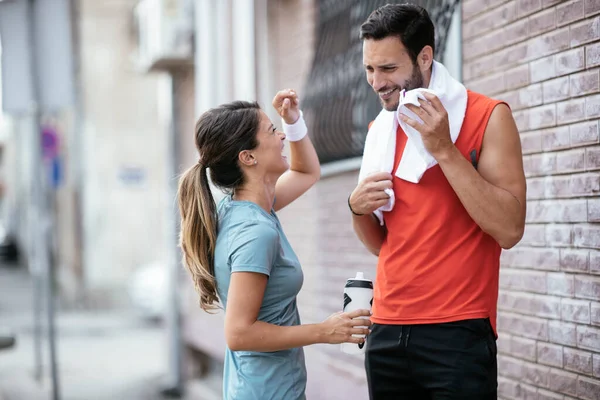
[[42, 227], [174, 386], [35, 216]]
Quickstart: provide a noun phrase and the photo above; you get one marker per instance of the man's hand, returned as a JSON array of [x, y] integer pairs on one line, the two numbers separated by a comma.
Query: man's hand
[[287, 105], [369, 195], [434, 130]]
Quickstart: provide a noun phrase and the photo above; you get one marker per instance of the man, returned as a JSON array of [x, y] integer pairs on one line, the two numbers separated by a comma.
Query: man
[[436, 290]]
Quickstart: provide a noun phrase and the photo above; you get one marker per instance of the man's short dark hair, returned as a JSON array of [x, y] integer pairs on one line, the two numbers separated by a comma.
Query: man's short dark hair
[[409, 22]]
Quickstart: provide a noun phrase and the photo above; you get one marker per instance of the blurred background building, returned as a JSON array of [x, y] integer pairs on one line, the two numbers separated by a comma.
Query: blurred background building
[[145, 70]]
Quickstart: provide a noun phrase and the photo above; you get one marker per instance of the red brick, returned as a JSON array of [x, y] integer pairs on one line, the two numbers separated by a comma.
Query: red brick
[[588, 388], [530, 281], [574, 260], [559, 235], [587, 236], [570, 61], [593, 210], [531, 142], [585, 83], [592, 158], [592, 7], [578, 361], [562, 333], [529, 327], [563, 382], [592, 55], [556, 138], [592, 106], [575, 311], [553, 211], [523, 348], [548, 43], [570, 111], [587, 287], [550, 354], [584, 133], [556, 89], [543, 69], [569, 12], [570, 161], [585, 32], [542, 22], [526, 7]]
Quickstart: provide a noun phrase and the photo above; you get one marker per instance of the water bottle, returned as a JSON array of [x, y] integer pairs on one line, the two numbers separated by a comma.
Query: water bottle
[[358, 295]]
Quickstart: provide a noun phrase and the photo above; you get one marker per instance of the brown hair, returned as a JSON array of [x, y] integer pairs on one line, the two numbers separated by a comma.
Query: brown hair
[[409, 22], [221, 134]]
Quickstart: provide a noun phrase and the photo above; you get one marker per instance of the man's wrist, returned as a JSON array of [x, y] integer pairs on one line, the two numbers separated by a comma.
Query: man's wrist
[[350, 207], [446, 153]]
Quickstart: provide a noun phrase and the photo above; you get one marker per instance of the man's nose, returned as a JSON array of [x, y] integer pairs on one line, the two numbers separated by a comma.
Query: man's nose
[[378, 82]]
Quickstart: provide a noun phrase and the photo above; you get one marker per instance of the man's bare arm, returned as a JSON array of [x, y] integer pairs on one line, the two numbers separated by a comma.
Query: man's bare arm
[[495, 196], [368, 196], [369, 232]]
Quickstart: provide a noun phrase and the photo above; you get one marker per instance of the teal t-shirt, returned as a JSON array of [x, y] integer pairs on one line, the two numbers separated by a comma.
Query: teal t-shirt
[[251, 240]]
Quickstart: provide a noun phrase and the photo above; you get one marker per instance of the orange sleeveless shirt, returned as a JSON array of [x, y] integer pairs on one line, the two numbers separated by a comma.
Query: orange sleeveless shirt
[[436, 264]]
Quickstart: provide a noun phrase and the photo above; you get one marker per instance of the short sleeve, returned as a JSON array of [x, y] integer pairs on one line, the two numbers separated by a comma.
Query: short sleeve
[[253, 247]]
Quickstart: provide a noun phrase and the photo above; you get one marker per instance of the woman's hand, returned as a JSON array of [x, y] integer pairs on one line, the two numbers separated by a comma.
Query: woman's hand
[[340, 327], [287, 104]]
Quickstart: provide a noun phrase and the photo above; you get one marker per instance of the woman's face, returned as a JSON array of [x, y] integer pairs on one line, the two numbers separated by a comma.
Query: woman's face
[[269, 152]]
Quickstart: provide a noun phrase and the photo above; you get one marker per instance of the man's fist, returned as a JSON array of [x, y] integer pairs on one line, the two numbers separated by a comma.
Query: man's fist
[[370, 193]]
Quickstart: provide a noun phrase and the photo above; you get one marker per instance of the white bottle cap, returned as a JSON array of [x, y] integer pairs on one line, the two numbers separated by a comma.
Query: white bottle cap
[[360, 275]]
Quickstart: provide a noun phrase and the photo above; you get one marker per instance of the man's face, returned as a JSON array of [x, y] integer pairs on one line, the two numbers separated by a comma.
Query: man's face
[[390, 69]]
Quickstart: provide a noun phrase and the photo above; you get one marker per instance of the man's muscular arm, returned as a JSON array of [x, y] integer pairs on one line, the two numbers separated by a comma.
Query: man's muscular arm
[[494, 196]]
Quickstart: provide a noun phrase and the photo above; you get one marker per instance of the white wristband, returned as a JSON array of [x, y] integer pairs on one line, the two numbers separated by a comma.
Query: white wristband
[[297, 130]]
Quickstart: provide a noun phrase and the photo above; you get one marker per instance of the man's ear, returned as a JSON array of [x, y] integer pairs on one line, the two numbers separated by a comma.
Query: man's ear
[[425, 58], [247, 158]]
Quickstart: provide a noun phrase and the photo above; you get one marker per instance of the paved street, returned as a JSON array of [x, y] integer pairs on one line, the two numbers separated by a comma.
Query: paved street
[[101, 355]]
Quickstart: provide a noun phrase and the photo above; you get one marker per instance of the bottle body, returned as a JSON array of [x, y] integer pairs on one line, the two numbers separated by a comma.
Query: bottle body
[[358, 295]]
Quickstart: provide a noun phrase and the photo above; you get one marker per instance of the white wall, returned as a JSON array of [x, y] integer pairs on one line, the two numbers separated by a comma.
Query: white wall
[[124, 144]]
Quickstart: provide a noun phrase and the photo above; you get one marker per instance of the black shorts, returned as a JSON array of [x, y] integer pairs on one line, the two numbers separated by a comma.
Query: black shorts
[[454, 360]]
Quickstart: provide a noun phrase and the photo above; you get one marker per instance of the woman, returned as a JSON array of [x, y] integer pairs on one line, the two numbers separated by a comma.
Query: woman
[[238, 254]]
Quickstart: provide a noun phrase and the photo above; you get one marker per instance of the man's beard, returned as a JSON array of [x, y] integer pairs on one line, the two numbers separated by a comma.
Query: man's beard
[[414, 82]]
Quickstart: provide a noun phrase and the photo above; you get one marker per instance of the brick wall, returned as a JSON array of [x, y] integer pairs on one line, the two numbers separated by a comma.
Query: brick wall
[[543, 58]]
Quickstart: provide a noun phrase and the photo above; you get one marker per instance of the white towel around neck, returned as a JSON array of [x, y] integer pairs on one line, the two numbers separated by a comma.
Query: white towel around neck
[[380, 144]]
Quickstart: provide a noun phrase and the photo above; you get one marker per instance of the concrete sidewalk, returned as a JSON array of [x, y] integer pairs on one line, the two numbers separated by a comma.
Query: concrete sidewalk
[[101, 355]]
